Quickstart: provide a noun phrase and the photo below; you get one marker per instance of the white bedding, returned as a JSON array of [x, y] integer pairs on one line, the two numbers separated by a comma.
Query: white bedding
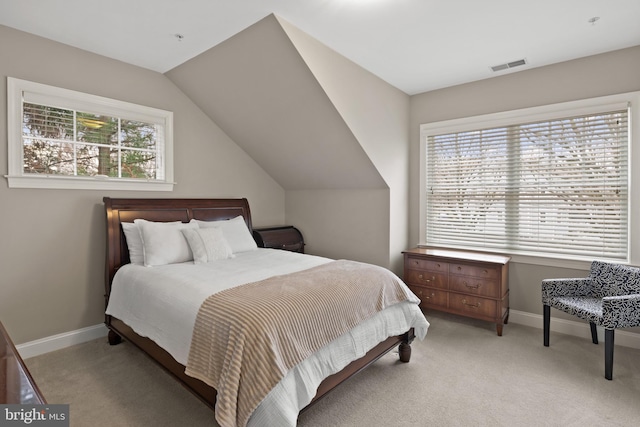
[[162, 303]]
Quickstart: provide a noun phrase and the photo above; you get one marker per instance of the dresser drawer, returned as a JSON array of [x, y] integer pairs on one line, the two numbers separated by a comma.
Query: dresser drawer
[[478, 271], [473, 306], [426, 278], [474, 286], [430, 297], [427, 264]]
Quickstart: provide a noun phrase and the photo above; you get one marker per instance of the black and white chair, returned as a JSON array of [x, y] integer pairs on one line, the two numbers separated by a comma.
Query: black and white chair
[[609, 297]]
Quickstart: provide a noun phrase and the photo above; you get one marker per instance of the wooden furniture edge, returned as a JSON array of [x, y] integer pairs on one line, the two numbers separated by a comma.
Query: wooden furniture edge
[[9, 355], [457, 254]]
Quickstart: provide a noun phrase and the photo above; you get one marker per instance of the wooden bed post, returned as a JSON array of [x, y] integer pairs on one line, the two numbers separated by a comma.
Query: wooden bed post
[[404, 349]]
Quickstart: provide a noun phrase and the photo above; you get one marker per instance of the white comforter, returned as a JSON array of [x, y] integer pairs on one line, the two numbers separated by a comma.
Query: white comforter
[[162, 303]]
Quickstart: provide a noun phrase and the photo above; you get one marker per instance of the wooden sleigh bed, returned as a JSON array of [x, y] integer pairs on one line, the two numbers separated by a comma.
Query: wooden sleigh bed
[[120, 210]]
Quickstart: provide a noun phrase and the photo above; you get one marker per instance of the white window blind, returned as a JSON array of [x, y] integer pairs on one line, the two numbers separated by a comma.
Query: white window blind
[[59, 141], [551, 187]]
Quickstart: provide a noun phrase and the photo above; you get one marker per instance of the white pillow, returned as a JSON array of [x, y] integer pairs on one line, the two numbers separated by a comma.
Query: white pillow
[[207, 244], [235, 231], [163, 242], [134, 242]]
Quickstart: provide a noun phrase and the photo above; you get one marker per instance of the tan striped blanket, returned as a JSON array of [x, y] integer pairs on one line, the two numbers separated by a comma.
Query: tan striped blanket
[[246, 338]]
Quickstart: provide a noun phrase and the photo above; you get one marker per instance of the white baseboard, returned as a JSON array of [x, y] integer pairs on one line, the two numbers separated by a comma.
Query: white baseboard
[[570, 327], [60, 341]]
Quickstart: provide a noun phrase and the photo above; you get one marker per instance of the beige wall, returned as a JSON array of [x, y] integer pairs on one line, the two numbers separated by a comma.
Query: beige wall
[[52, 247], [52, 241], [337, 224], [606, 74], [377, 114], [258, 89], [321, 126]]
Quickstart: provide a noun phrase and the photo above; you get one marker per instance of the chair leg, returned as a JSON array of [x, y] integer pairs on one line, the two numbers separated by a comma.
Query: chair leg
[[608, 353], [594, 333], [546, 314]]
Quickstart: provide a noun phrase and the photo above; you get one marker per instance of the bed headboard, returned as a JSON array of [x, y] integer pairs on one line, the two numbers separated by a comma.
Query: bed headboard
[[163, 210]]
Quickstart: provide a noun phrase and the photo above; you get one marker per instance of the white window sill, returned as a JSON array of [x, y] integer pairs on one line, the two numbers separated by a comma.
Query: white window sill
[[86, 183]]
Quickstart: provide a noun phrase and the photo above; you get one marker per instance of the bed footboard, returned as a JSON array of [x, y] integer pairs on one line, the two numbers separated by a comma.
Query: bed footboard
[[119, 330]]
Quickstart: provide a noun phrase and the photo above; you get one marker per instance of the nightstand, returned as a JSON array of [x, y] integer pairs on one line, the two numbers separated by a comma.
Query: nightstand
[[285, 237]]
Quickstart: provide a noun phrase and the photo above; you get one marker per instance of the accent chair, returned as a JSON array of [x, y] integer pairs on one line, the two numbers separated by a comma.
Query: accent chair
[[609, 297]]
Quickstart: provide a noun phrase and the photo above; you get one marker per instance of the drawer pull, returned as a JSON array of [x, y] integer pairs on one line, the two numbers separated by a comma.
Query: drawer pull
[[476, 286], [485, 272], [421, 277], [426, 296], [476, 305]]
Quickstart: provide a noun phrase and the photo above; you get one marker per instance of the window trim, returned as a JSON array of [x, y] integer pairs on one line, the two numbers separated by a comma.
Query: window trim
[[547, 112], [81, 101]]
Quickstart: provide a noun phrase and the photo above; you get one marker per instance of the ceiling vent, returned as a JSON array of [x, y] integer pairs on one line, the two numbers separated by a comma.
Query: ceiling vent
[[509, 65]]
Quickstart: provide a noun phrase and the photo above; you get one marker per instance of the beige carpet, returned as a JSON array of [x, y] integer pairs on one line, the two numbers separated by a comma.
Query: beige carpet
[[461, 375]]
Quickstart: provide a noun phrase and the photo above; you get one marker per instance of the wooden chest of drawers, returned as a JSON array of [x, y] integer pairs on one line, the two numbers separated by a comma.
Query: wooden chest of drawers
[[284, 237], [467, 283]]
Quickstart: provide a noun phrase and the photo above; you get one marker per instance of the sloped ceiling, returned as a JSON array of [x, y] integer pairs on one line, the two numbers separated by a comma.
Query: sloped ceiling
[[259, 90]]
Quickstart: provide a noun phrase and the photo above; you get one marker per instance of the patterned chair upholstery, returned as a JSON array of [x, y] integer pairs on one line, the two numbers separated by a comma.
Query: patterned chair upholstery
[[609, 297]]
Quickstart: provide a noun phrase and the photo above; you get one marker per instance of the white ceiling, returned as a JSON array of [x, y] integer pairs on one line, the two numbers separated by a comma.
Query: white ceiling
[[415, 45]]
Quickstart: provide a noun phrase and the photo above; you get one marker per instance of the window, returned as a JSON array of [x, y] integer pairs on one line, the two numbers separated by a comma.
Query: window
[[65, 139], [548, 182]]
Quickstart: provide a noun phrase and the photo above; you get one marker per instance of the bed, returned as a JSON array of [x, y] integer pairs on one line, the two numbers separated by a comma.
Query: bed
[[139, 329]]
